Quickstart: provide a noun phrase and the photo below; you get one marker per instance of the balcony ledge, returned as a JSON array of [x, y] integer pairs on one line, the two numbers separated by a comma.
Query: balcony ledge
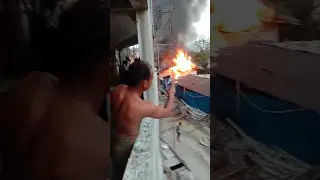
[[144, 161]]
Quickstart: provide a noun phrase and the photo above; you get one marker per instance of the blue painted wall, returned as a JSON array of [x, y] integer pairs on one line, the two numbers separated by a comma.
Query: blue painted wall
[[194, 99], [297, 133]]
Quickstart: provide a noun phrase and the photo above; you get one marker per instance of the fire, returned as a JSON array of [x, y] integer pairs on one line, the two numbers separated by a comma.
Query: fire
[[183, 64], [234, 16]]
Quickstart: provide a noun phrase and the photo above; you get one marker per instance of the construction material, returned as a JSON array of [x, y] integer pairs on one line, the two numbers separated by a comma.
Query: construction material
[[251, 158]]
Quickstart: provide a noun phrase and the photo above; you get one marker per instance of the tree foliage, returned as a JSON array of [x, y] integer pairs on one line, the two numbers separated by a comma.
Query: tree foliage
[[200, 51]]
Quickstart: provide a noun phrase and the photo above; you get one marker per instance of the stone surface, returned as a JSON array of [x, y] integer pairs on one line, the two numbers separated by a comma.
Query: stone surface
[[185, 175], [195, 155], [167, 153], [171, 162], [138, 163]]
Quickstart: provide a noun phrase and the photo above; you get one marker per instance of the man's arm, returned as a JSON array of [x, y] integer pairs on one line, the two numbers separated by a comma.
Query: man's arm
[[158, 112]]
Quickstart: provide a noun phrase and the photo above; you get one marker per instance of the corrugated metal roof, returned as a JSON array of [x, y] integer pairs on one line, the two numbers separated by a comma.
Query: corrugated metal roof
[[195, 83], [304, 46], [287, 74]]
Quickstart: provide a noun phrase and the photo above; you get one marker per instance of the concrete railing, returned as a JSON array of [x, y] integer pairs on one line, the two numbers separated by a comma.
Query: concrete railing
[[145, 161]]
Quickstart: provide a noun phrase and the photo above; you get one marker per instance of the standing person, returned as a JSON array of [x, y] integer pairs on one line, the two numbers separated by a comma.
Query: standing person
[[126, 63], [67, 139], [128, 109], [178, 130], [137, 60]]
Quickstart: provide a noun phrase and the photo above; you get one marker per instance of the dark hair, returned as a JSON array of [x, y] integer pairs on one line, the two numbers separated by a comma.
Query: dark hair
[[137, 72], [73, 50]]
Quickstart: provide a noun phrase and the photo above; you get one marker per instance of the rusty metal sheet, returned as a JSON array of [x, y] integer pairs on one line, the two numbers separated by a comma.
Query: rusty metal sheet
[[195, 83], [286, 74]]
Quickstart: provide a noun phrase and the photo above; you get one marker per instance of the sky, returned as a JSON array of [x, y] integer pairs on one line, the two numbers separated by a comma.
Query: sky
[[203, 26]]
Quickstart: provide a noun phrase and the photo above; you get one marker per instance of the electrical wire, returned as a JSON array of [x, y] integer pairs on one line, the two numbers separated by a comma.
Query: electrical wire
[[270, 111], [186, 92]]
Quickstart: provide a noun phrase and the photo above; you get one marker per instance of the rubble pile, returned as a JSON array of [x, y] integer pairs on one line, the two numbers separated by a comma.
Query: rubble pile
[[234, 155], [182, 109]]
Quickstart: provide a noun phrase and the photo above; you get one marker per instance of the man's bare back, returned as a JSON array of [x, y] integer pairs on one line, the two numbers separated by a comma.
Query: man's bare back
[[74, 143], [126, 111], [53, 136]]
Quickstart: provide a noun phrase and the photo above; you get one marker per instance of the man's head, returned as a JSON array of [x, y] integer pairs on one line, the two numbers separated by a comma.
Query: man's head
[[140, 75], [78, 50], [179, 123]]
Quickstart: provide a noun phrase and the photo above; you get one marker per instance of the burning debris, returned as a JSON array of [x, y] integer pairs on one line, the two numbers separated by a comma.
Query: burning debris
[[245, 15], [247, 20], [182, 66]]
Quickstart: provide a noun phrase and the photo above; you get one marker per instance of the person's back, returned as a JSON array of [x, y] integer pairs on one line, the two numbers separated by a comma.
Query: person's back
[[70, 140], [24, 103], [70, 143], [47, 133], [128, 110]]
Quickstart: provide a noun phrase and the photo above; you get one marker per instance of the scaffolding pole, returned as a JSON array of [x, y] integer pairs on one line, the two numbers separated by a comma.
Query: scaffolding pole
[[157, 31]]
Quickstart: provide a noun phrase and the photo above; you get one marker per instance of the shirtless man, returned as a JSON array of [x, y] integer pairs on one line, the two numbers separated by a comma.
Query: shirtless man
[[67, 139], [128, 109], [22, 105]]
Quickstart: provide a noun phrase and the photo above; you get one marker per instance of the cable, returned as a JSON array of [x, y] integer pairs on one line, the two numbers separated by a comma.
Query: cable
[[202, 96], [186, 92], [269, 111]]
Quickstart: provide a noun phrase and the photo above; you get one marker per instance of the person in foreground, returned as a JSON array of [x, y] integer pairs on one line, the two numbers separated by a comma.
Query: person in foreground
[[127, 111], [66, 139]]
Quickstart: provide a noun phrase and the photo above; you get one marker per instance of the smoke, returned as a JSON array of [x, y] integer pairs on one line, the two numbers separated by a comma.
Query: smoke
[[184, 14]]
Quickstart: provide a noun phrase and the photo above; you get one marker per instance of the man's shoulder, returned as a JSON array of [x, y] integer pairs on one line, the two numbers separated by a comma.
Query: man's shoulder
[[140, 106], [119, 88]]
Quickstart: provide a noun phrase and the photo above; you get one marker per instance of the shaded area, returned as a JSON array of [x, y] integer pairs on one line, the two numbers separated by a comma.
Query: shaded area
[[280, 72]]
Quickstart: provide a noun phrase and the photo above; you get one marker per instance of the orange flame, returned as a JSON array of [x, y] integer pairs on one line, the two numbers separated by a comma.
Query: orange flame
[[234, 16], [183, 64]]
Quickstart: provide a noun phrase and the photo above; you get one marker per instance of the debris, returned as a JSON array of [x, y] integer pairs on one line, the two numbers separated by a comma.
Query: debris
[[204, 140], [220, 159], [249, 158], [164, 146]]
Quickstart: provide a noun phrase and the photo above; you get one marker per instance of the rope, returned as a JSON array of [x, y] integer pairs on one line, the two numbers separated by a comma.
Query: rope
[[270, 111], [186, 92]]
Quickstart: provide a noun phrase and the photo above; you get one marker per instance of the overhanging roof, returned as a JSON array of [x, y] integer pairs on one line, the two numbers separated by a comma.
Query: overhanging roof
[[286, 74], [123, 29]]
